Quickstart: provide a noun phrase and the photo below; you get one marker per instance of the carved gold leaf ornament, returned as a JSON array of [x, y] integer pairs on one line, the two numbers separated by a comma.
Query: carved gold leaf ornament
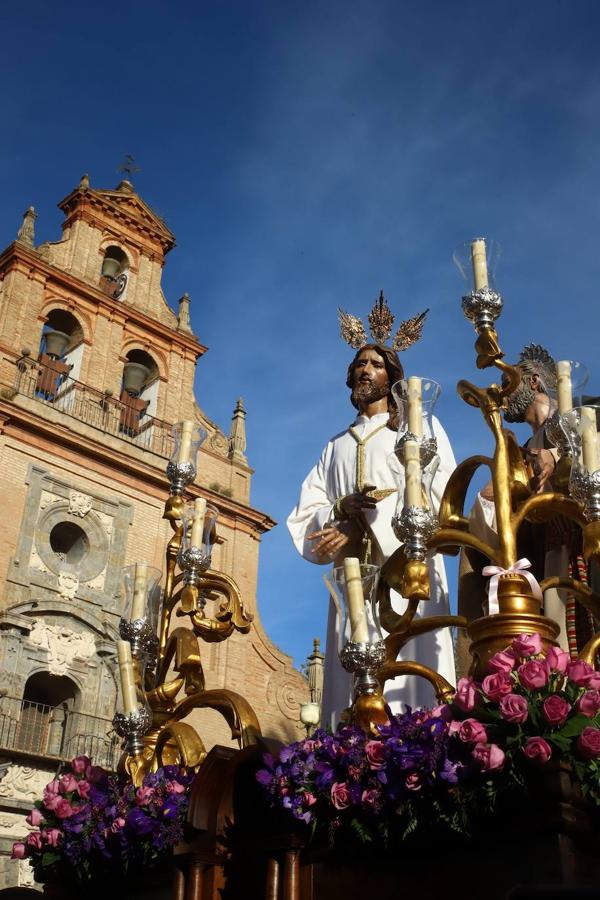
[[381, 321], [352, 329], [409, 333]]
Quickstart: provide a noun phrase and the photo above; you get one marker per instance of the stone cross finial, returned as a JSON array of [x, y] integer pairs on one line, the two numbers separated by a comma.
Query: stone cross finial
[[183, 317], [237, 435], [26, 233], [84, 182], [315, 672]]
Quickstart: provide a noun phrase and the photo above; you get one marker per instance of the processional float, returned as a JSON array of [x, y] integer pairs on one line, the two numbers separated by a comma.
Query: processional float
[[161, 668]]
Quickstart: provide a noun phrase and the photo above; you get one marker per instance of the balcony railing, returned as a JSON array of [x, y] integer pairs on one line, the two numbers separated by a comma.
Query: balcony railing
[[50, 384], [57, 732]]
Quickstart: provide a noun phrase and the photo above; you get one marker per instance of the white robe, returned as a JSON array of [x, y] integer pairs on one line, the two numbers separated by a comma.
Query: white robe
[[333, 477]]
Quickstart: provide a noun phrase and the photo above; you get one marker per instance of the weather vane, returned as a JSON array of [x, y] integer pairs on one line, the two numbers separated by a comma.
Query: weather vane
[[128, 167]]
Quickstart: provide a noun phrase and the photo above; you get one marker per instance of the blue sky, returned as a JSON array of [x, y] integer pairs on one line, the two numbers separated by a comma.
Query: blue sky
[[307, 155]]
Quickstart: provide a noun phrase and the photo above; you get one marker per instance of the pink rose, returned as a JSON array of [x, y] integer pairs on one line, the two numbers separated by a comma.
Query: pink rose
[[466, 694], [80, 764], [594, 681], [588, 742], [442, 711], [489, 756], [472, 731], [34, 840], [19, 850], [35, 818], [556, 709], [52, 788], [497, 685], [118, 824], [527, 645], [514, 708], [144, 795], [579, 672], [63, 809], [413, 782], [504, 661], [83, 788], [538, 749], [175, 787], [340, 795], [371, 799], [52, 836], [68, 783], [557, 660], [533, 674], [589, 703], [51, 801], [375, 753]]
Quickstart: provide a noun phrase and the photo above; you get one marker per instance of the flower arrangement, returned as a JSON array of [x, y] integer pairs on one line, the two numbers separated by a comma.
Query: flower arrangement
[[449, 766], [91, 824], [531, 708]]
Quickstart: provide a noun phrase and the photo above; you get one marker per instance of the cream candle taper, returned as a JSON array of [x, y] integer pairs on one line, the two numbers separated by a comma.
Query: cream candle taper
[[479, 261], [198, 522], [565, 390], [413, 494], [128, 690], [359, 631], [185, 445], [589, 439], [415, 406], [140, 589]]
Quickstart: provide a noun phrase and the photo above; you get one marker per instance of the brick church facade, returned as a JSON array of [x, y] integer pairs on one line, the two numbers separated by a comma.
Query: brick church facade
[[83, 485]]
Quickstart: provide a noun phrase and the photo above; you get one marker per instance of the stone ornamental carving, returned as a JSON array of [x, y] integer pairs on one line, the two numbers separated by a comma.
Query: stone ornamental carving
[[68, 583], [25, 876], [63, 645], [13, 825], [79, 504], [36, 562], [23, 783]]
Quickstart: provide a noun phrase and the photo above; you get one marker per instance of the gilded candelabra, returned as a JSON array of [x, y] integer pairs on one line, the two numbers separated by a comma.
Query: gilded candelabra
[[576, 496], [163, 682]]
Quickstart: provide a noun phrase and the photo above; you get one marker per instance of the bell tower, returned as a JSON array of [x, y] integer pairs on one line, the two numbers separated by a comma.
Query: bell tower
[[95, 368]]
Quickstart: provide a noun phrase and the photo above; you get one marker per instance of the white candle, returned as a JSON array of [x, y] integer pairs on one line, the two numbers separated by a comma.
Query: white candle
[[140, 587], [589, 439], [198, 522], [415, 406], [413, 495], [479, 261], [565, 395], [185, 445], [359, 631], [128, 691]]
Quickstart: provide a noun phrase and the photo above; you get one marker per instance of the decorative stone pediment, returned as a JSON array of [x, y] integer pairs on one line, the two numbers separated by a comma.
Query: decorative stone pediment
[[62, 644], [23, 783]]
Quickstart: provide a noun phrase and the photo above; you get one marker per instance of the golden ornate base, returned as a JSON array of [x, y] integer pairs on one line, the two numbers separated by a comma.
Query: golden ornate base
[[491, 634]]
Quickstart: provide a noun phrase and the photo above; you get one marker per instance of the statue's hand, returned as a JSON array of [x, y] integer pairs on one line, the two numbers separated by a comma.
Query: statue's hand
[[332, 539], [542, 464], [353, 504]]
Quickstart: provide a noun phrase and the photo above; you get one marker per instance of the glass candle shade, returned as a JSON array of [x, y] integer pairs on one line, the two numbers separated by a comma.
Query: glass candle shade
[[580, 427], [141, 594], [354, 587], [566, 392], [416, 399], [187, 439], [199, 533], [132, 678], [477, 261]]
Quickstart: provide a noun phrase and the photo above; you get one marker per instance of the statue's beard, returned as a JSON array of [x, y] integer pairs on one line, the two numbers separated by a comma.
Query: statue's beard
[[366, 392], [518, 403]]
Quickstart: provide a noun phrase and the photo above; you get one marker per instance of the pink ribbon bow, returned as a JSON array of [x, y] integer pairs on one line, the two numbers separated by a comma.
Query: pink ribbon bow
[[519, 568]]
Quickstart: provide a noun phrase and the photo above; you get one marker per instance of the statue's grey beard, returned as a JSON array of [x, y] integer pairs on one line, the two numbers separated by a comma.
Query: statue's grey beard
[[518, 403], [366, 392]]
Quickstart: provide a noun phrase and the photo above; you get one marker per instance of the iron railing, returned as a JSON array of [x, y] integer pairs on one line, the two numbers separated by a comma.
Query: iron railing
[[57, 732], [100, 410]]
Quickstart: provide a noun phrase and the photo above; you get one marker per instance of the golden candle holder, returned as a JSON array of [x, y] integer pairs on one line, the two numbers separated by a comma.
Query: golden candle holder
[[519, 606]]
